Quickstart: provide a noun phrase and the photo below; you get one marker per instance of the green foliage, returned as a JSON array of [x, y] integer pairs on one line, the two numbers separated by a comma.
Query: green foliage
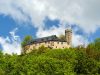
[[42, 49], [27, 39], [44, 61], [85, 65], [93, 49], [97, 44], [62, 37]]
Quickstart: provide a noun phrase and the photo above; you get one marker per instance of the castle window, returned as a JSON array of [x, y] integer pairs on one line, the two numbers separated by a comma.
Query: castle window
[[61, 42], [58, 42], [56, 46], [35, 44], [52, 43], [45, 42], [48, 42]]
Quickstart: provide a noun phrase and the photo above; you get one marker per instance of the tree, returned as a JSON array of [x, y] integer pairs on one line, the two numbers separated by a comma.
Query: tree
[[1, 54], [93, 49], [42, 49], [97, 44], [62, 37], [26, 40], [85, 65]]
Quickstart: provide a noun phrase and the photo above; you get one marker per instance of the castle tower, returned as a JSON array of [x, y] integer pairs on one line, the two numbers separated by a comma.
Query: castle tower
[[68, 36]]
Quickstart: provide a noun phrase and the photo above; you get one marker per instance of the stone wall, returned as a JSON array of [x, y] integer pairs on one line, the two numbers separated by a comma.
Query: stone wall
[[50, 44]]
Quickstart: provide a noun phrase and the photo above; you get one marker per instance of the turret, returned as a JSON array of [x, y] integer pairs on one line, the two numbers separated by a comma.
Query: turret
[[68, 36]]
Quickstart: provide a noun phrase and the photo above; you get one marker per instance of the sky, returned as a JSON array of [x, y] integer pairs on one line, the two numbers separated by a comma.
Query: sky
[[40, 18]]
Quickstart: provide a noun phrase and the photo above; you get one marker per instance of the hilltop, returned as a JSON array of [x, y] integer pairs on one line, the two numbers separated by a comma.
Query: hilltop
[[44, 61]]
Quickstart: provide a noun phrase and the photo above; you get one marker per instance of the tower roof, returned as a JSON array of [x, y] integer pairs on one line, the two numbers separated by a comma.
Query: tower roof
[[68, 30]]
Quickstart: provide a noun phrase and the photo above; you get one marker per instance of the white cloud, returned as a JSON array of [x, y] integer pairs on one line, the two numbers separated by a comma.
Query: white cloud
[[52, 31], [76, 38], [11, 44], [79, 40], [84, 13]]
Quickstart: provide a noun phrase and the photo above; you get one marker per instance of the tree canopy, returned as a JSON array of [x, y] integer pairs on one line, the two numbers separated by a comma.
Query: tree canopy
[[62, 37], [27, 39], [44, 61]]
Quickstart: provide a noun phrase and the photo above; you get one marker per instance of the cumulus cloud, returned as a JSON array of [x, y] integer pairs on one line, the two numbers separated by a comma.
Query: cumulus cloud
[[84, 13], [11, 44], [77, 39]]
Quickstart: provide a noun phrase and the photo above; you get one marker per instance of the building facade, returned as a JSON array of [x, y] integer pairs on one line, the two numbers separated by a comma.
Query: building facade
[[52, 42]]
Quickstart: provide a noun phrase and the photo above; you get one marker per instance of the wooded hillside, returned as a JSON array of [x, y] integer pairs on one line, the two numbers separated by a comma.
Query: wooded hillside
[[44, 61]]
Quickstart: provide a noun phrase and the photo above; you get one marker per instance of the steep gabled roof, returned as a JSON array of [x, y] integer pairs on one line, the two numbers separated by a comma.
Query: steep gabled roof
[[46, 39]]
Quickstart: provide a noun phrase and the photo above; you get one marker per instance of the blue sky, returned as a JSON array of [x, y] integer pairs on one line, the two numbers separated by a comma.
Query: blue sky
[[44, 18], [7, 24]]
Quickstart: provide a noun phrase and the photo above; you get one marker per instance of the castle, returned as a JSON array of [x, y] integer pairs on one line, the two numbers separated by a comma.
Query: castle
[[52, 42]]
